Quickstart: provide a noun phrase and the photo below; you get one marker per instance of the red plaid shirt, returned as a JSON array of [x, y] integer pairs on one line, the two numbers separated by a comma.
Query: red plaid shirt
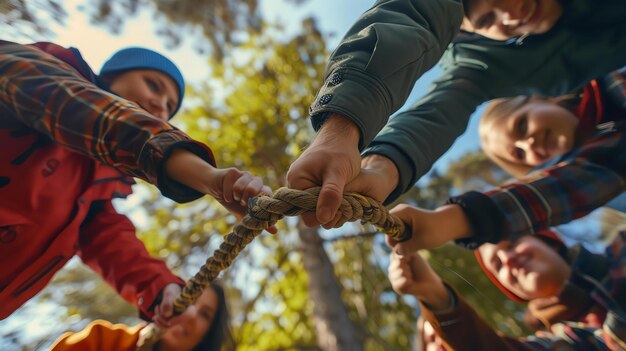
[[60, 137]]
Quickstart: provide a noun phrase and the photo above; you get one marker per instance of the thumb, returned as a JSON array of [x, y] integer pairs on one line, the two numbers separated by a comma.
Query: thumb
[[167, 303], [330, 198]]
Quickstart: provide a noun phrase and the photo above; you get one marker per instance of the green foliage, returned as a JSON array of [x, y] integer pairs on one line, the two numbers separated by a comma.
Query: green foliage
[[29, 18]]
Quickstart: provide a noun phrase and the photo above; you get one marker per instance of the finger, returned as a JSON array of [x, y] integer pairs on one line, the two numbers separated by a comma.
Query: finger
[[161, 323], [230, 178], [336, 222], [390, 242], [407, 248], [240, 184], [341, 222], [252, 189], [267, 190], [310, 219]]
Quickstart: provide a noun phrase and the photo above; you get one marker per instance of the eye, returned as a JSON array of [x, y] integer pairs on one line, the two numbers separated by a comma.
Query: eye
[[152, 85], [206, 315], [486, 20]]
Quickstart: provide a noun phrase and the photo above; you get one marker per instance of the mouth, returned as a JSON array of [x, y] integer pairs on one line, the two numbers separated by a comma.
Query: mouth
[[179, 331]]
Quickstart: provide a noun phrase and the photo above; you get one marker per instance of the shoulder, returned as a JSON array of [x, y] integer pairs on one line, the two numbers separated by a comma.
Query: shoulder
[[71, 56]]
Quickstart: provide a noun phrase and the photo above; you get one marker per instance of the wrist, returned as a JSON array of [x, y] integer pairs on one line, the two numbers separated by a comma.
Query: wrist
[[457, 225], [385, 166], [189, 169], [437, 297], [338, 128]]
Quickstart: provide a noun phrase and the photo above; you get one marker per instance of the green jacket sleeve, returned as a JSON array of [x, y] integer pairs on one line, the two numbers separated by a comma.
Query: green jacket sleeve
[[588, 42], [372, 71]]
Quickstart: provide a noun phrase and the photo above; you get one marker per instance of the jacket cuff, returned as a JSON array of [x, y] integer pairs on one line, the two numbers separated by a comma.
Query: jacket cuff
[[158, 150], [485, 218], [449, 317], [403, 164], [369, 109], [149, 298]]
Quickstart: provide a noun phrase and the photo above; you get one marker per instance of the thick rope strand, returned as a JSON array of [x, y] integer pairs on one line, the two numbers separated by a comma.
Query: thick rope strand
[[264, 211]]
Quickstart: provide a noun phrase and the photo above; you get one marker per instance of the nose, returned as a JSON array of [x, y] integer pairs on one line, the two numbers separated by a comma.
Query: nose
[[534, 153], [190, 315], [526, 144], [510, 13], [158, 107]]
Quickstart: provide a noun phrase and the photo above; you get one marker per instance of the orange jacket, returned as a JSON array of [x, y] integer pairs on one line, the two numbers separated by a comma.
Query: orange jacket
[[101, 335]]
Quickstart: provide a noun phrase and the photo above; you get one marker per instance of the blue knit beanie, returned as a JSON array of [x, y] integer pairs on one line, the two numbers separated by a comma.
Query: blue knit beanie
[[141, 58]]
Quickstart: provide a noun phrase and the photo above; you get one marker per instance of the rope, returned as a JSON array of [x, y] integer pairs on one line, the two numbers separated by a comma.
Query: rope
[[264, 211]]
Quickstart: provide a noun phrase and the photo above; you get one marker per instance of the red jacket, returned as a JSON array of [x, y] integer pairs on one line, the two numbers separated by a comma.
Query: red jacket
[[55, 203]]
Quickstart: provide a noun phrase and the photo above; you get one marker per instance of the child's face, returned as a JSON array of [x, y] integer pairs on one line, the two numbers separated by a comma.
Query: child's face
[[432, 341], [154, 91], [529, 267], [195, 323], [505, 19], [532, 134]]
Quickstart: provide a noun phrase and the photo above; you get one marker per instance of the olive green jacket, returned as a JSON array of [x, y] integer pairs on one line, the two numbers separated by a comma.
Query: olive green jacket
[[376, 65]]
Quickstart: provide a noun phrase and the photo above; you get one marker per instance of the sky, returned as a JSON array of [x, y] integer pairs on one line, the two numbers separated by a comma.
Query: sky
[[97, 44]]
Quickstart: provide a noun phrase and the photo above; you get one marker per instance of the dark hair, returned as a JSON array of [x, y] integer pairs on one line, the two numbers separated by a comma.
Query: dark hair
[[219, 337]]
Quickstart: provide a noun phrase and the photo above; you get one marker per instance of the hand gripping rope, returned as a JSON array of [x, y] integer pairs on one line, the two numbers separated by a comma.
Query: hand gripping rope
[[264, 211]]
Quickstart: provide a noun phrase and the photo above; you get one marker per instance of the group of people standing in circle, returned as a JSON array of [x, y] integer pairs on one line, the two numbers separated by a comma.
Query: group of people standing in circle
[[551, 72]]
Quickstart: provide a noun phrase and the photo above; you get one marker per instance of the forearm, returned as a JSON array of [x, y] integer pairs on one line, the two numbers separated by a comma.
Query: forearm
[[580, 182], [373, 69], [438, 297], [415, 138], [464, 330], [108, 245]]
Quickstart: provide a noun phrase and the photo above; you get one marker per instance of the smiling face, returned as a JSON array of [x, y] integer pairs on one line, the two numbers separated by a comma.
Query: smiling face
[[153, 90], [529, 267], [197, 321], [526, 132], [430, 340], [505, 19]]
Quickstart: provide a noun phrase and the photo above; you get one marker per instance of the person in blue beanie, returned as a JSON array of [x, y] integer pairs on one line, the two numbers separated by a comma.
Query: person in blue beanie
[[132, 62], [72, 141]]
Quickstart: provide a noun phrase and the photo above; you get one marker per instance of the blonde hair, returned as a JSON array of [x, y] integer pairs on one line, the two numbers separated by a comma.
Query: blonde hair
[[500, 109]]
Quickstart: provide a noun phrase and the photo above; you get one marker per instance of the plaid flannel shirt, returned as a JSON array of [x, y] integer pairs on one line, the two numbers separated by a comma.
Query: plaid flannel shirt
[[50, 96], [566, 188]]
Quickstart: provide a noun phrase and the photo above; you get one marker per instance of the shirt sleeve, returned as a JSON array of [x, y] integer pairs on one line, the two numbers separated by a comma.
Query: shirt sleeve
[[570, 187], [108, 245], [48, 95], [372, 71]]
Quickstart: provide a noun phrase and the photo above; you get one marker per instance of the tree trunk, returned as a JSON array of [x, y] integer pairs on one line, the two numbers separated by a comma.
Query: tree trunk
[[335, 329]]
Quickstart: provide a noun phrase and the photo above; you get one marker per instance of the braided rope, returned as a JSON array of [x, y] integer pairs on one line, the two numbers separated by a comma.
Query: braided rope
[[264, 211]]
